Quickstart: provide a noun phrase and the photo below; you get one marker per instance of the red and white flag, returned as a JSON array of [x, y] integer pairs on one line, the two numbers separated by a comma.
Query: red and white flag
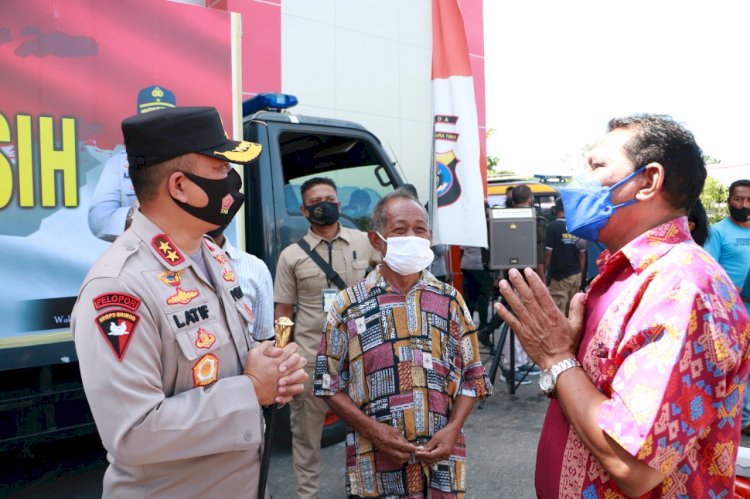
[[459, 194]]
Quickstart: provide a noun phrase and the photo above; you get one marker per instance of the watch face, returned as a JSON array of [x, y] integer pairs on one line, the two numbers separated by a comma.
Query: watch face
[[546, 381]]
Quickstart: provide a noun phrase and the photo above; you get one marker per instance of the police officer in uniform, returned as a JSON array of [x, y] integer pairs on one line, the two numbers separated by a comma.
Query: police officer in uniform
[[174, 379], [301, 281]]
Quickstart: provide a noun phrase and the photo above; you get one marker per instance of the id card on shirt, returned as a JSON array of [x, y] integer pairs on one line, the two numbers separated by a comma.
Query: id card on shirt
[[329, 294]]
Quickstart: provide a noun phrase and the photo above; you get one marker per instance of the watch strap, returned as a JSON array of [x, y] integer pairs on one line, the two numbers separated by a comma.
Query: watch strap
[[557, 369]]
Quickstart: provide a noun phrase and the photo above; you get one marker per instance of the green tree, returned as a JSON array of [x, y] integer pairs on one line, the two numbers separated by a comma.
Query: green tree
[[714, 199], [493, 162]]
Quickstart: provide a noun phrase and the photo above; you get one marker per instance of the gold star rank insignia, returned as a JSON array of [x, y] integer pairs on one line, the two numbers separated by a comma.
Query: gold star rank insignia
[[167, 249]]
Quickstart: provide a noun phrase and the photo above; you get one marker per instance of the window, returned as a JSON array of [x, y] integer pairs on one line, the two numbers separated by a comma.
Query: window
[[352, 163]]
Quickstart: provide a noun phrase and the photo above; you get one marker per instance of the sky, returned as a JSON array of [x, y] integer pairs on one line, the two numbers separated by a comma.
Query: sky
[[556, 72]]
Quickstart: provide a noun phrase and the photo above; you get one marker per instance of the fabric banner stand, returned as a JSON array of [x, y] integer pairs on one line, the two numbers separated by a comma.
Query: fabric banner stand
[[458, 193]]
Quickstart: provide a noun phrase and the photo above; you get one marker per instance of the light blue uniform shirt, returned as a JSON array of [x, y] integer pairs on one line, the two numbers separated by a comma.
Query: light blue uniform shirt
[[112, 199], [257, 286]]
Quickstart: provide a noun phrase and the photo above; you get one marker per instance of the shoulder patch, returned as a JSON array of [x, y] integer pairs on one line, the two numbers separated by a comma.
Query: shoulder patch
[[118, 328], [167, 249], [117, 300]]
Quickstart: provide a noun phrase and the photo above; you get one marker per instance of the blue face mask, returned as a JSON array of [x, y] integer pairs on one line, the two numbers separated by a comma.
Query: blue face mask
[[588, 205]]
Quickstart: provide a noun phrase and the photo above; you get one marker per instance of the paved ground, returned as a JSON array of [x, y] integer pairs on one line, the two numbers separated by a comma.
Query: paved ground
[[502, 439]]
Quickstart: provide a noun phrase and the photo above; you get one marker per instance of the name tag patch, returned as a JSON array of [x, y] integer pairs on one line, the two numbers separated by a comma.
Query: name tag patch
[[191, 316]]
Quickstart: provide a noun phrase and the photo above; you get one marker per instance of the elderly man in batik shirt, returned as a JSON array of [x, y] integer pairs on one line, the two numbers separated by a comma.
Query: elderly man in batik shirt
[[399, 364]]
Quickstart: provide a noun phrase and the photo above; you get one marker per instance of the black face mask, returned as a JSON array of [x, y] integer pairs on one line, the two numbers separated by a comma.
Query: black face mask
[[323, 213], [739, 214], [224, 198]]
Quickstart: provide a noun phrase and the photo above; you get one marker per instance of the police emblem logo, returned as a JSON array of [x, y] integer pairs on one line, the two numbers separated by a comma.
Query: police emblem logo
[[448, 188], [205, 339], [228, 275], [171, 278], [118, 327], [182, 297], [222, 259], [226, 203], [206, 370], [167, 249]]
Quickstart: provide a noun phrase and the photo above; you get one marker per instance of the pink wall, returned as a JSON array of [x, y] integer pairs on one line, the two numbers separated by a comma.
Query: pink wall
[[472, 12], [261, 44]]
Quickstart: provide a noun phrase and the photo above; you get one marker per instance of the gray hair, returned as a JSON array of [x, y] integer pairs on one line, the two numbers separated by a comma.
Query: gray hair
[[379, 217]]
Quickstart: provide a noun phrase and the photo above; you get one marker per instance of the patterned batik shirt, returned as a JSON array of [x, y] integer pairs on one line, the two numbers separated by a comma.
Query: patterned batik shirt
[[666, 340], [402, 359]]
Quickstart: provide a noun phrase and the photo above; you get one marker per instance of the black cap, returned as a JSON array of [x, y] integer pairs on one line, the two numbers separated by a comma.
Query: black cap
[[161, 135]]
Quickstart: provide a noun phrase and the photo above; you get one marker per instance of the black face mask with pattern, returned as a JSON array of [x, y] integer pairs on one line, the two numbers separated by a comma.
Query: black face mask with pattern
[[224, 198], [323, 213]]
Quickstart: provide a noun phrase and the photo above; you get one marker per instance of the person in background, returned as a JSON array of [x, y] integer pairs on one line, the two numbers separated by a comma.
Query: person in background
[[114, 202], [648, 371], [399, 363], [698, 223], [439, 265], [729, 243], [477, 283], [309, 274], [565, 258], [256, 284]]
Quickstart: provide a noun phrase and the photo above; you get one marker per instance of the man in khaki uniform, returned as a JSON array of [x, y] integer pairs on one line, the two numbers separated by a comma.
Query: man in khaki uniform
[[174, 379], [301, 281]]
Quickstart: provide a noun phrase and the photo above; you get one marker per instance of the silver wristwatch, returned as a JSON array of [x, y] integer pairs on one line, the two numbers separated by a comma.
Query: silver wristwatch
[[548, 378]]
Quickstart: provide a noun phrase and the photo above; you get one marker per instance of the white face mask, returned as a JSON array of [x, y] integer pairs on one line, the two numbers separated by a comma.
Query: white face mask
[[407, 255]]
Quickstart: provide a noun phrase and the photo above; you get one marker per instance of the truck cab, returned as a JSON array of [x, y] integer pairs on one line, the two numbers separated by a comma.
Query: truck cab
[[298, 148]]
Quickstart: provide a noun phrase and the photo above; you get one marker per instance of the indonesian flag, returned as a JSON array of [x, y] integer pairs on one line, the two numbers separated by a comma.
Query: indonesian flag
[[459, 194]]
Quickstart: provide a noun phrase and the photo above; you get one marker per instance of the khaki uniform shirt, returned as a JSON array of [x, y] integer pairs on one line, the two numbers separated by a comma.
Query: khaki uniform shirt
[[300, 281], [161, 350]]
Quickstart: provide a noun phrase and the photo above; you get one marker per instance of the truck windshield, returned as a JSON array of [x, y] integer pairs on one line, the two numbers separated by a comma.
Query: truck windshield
[[360, 174]]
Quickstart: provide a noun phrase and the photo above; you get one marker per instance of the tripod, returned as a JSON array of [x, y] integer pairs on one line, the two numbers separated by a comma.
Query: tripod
[[506, 334]]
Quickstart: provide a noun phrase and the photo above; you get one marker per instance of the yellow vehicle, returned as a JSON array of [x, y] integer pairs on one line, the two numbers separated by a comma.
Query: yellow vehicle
[[543, 188]]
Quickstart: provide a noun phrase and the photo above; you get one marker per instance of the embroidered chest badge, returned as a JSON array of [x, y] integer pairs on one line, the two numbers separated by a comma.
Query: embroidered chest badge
[[228, 275], [170, 278], [118, 328], [249, 311], [206, 370], [205, 339], [167, 249], [182, 297]]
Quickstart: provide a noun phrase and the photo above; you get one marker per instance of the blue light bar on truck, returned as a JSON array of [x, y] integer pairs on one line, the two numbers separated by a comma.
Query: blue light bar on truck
[[269, 102]]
